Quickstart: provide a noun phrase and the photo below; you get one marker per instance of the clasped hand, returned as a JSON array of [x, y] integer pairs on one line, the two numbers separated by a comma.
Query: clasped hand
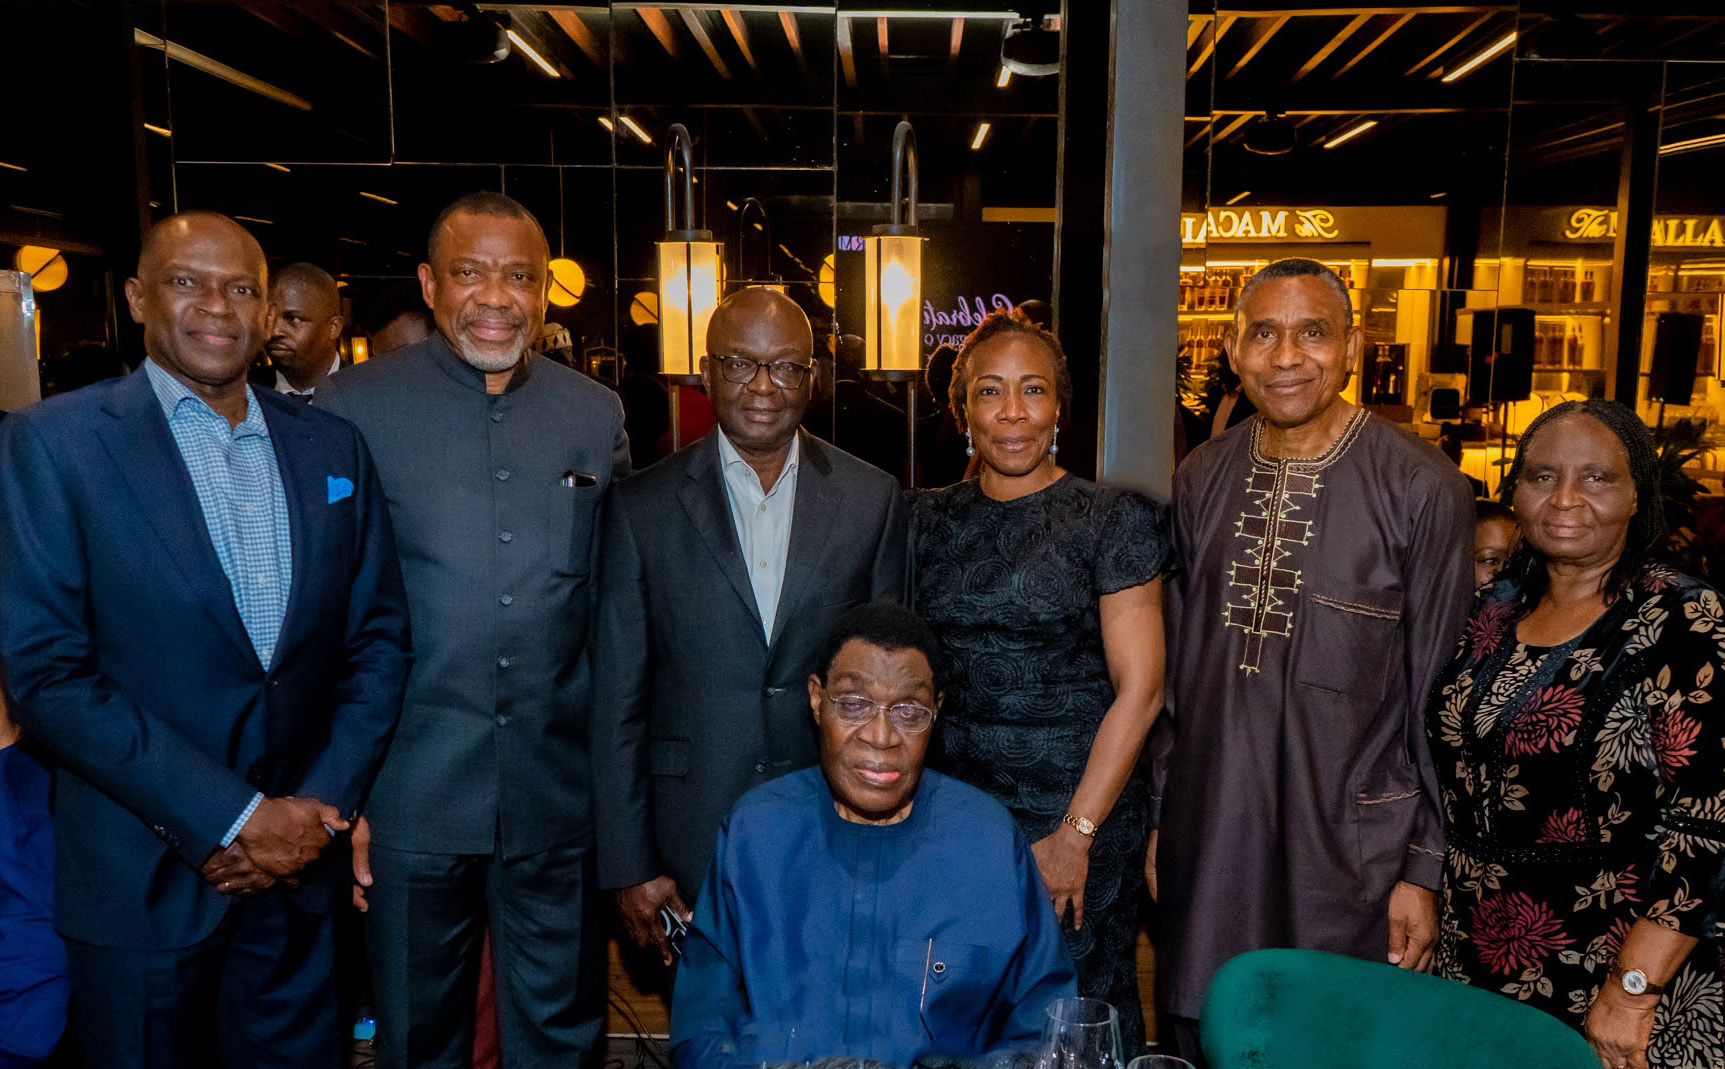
[[279, 839]]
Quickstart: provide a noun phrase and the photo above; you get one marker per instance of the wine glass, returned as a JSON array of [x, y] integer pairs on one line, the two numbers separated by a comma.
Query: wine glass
[[1081, 1033], [1158, 1061]]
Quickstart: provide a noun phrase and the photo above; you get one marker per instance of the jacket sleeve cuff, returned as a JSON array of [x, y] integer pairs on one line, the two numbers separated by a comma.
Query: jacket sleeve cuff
[[1424, 867]]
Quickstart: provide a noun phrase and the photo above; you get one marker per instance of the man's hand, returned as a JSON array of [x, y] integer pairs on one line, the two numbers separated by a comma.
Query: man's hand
[[640, 907], [1413, 926], [1619, 1026], [1150, 866], [231, 872], [1064, 861], [361, 842], [285, 835]]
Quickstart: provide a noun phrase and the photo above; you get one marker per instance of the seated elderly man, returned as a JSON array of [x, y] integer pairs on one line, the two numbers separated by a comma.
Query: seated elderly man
[[867, 908]]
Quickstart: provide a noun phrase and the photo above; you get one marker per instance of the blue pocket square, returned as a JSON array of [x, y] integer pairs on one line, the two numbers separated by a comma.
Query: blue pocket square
[[339, 489]]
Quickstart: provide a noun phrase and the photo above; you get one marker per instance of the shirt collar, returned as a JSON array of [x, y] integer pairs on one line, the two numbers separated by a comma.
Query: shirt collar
[[175, 397], [283, 386], [728, 456], [467, 374]]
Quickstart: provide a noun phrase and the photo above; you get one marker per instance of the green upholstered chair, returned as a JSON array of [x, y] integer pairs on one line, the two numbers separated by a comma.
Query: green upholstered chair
[[1299, 1009]]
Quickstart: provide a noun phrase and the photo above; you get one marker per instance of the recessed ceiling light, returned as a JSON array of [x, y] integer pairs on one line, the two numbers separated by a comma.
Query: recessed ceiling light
[[1351, 134], [13, 166], [1238, 197], [981, 136], [1002, 78], [527, 50], [379, 199], [160, 131], [277, 167], [605, 121], [1502, 43], [635, 128]]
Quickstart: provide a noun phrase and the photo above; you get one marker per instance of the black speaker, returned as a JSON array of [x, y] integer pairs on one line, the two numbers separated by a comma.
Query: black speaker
[[1500, 362], [1676, 348]]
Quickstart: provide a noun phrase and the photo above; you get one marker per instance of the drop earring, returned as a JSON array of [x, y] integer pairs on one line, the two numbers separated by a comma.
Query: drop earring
[[969, 444], [1054, 447]]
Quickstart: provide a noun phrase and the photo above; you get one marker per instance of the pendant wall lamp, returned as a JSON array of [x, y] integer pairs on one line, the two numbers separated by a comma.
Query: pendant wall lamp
[[688, 269], [892, 263]]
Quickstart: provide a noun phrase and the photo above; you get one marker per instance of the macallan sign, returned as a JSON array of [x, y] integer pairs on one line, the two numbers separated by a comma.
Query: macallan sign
[[1669, 231], [1246, 224]]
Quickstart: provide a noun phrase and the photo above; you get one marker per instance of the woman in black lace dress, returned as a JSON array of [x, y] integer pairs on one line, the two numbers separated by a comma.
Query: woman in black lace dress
[[1046, 592]]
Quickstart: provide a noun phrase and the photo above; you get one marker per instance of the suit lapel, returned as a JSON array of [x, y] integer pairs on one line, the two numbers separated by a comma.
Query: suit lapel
[[307, 493], [703, 498], [811, 525], [142, 447]]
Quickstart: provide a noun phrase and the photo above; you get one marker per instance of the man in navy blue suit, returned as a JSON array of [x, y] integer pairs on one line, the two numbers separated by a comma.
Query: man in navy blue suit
[[202, 620]]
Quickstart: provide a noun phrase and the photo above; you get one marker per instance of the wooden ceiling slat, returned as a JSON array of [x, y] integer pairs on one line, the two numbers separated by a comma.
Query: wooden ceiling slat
[[1195, 26], [1257, 45], [1451, 43], [794, 38], [698, 29], [1373, 47], [1228, 131], [740, 34], [847, 51], [661, 27], [1210, 40], [1329, 50], [579, 32]]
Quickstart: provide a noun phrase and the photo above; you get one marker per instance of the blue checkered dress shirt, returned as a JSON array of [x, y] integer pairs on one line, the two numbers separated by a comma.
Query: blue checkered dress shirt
[[239, 488]]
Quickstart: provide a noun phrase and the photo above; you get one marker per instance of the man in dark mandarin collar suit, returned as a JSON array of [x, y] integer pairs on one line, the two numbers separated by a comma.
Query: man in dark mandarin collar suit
[[724, 565], [495, 461], [202, 619]]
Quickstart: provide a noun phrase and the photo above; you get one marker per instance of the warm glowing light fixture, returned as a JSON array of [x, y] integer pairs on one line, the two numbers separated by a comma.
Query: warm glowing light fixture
[[1501, 44], [46, 267], [527, 50], [981, 136], [378, 198], [605, 121], [159, 131], [688, 268], [1003, 78], [1692, 144], [644, 309], [635, 128], [1237, 198], [278, 167], [568, 282], [892, 265], [1343, 138], [824, 286]]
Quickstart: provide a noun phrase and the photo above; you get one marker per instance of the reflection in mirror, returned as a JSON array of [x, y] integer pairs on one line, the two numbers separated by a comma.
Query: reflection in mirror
[[1300, 129]]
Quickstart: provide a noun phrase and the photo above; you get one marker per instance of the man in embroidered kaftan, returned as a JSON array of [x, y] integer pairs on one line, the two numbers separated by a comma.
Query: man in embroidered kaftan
[[1327, 559]]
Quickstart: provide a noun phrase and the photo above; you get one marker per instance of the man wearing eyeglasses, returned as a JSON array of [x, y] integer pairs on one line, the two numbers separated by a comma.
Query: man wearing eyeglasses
[[722, 565], [866, 908]]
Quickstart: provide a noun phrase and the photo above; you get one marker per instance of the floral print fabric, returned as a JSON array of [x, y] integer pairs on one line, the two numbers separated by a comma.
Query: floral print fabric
[[1584, 788]]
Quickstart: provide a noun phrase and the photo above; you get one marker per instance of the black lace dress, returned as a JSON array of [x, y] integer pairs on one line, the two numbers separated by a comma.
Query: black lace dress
[[1013, 589]]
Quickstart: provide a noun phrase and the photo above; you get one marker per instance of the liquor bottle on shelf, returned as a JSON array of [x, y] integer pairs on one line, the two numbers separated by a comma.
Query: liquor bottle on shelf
[[1566, 288], [1227, 297], [1538, 286], [1589, 288], [1572, 347], [1185, 292]]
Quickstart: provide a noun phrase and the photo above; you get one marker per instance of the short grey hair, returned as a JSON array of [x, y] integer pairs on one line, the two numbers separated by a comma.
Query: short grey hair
[[1297, 267]]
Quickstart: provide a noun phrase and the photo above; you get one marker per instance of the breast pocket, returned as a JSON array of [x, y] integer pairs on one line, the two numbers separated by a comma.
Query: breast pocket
[[573, 512], [1349, 639], [946, 980]]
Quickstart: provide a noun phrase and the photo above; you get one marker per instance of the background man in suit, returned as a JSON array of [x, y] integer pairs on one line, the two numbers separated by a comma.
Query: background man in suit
[[495, 461], [202, 619], [304, 328], [724, 566]]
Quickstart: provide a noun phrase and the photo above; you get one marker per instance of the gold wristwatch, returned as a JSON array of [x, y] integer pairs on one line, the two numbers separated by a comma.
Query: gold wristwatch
[[1082, 825]]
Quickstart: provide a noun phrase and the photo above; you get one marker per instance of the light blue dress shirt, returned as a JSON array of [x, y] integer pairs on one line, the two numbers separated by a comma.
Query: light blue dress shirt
[[239, 489]]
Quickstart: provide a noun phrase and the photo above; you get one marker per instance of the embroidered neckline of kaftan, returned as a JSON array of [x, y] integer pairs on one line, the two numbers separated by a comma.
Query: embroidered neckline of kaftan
[[1261, 592]]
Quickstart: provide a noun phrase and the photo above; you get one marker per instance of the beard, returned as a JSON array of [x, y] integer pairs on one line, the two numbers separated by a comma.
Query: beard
[[491, 360]]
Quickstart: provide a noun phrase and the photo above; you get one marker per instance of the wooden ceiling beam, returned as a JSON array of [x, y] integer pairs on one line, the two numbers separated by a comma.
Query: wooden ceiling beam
[[698, 29], [661, 27], [847, 51], [1451, 43], [1209, 45], [1373, 47], [794, 38], [578, 31], [1329, 50], [1257, 45], [740, 34]]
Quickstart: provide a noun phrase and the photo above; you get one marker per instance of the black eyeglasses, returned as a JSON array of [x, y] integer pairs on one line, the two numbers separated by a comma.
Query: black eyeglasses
[[785, 374], [856, 710]]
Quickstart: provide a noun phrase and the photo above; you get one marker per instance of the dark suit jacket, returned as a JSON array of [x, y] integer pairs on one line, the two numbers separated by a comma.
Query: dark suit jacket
[[124, 655], [495, 500], [694, 705]]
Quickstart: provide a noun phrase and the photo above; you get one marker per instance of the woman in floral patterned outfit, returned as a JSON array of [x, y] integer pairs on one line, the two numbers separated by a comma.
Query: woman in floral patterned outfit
[[1579, 739]]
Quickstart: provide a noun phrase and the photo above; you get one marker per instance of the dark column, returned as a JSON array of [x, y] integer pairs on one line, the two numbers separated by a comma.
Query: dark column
[[1632, 250], [1141, 261], [1081, 218]]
